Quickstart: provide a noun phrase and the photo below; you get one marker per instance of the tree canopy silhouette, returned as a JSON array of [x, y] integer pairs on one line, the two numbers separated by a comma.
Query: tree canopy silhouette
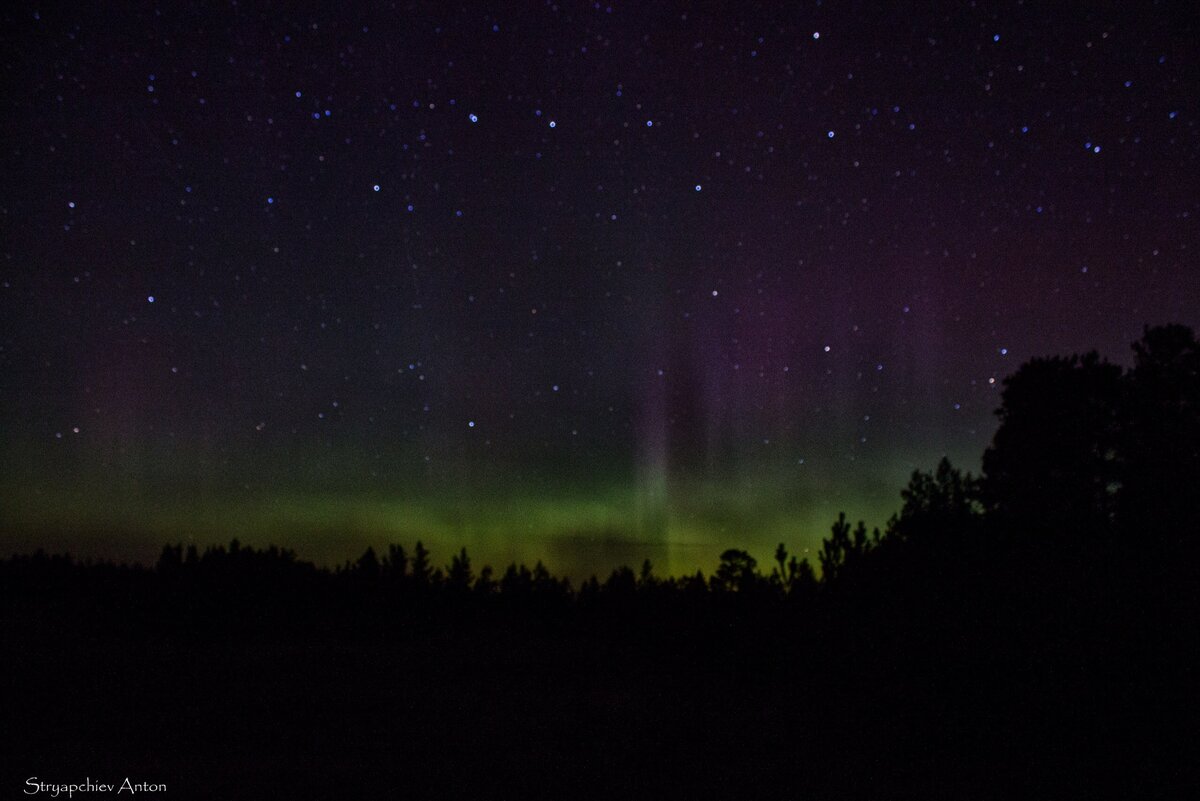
[[1054, 463], [937, 505], [1162, 444], [1087, 449]]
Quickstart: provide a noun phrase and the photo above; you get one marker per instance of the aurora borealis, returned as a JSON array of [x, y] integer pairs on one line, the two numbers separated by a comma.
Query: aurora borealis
[[584, 283]]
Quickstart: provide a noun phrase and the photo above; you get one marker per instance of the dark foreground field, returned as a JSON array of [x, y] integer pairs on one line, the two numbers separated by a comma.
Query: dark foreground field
[[724, 699]]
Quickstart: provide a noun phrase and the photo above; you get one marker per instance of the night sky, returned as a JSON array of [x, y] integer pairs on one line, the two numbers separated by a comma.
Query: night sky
[[578, 282]]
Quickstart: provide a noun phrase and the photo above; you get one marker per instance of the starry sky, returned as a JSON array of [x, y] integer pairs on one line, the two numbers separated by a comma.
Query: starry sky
[[578, 282]]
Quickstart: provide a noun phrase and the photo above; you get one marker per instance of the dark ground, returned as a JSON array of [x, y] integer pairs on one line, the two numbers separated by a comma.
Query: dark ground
[[464, 704]]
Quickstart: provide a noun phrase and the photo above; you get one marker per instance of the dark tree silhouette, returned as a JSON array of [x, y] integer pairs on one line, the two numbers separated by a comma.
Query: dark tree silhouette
[[937, 505], [459, 577], [802, 580], [422, 574], [367, 566], [646, 578], [1054, 466], [844, 548], [395, 564], [622, 581], [1162, 444], [485, 584], [791, 577], [737, 572], [1086, 449]]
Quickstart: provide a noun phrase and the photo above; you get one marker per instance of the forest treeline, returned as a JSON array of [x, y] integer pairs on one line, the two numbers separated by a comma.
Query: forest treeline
[[1091, 477], [1028, 632]]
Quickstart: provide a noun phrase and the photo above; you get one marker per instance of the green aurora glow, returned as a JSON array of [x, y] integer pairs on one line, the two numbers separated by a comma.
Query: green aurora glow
[[578, 521]]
